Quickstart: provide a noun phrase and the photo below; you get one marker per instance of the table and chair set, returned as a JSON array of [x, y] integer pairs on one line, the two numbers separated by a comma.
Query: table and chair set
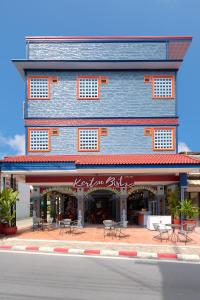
[[115, 229], [65, 225], [174, 232]]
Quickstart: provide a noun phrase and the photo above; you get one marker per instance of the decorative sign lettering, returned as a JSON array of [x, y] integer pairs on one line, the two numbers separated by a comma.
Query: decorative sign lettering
[[103, 181]]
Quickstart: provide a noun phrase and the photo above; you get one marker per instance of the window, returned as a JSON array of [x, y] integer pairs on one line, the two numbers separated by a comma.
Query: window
[[88, 88], [163, 139], [88, 139], [163, 87], [39, 87], [39, 140]]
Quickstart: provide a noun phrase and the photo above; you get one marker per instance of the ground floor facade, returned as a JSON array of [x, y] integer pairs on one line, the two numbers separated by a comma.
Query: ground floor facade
[[96, 198], [95, 188]]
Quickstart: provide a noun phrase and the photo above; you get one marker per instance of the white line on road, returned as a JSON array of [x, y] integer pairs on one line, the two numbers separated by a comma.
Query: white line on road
[[135, 260]]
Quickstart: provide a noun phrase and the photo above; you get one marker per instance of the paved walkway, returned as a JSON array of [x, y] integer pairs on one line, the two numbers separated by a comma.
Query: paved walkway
[[24, 223], [136, 240]]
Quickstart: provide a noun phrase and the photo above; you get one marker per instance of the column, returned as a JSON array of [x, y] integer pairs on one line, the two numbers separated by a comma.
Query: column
[[159, 197], [35, 196], [13, 207], [183, 187], [80, 206], [123, 204]]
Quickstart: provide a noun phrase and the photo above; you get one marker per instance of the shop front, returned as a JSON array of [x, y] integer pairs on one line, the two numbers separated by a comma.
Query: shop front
[[96, 198], [93, 188]]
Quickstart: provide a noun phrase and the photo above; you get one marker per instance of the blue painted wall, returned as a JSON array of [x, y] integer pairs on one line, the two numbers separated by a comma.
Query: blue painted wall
[[120, 139], [97, 51], [125, 95]]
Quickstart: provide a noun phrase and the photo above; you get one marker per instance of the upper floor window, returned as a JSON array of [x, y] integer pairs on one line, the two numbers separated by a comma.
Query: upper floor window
[[162, 86], [88, 139], [38, 140], [163, 139], [39, 87], [88, 88]]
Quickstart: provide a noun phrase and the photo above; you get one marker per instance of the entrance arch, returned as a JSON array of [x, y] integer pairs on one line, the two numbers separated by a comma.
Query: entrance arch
[[140, 199], [101, 204], [59, 203]]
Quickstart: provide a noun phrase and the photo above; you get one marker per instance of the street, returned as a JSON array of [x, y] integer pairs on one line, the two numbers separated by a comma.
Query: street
[[56, 277]]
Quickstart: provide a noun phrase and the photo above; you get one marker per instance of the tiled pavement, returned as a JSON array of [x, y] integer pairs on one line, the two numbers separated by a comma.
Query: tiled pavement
[[137, 239]]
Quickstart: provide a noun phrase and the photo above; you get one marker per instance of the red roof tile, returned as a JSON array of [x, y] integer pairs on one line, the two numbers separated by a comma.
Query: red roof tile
[[120, 159]]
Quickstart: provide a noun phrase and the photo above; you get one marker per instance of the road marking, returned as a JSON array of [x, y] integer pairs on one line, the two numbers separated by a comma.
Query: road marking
[[134, 259]]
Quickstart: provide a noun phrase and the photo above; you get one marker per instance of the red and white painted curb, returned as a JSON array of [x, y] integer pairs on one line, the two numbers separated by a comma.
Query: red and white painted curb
[[105, 252]]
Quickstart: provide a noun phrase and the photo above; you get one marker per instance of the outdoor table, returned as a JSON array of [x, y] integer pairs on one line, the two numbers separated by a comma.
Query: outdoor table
[[174, 235]]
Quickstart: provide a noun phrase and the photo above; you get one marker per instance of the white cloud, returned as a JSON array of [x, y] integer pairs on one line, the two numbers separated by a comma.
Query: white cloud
[[12, 145], [183, 147], [17, 143]]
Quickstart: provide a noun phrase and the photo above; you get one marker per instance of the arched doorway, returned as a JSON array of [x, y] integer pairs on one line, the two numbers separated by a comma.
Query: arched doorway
[[101, 205], [140, 200], [58, 204]]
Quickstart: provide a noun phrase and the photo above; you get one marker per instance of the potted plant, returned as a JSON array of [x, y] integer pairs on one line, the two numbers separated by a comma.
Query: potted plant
[[189, 212], [8, 199], [174, 206]]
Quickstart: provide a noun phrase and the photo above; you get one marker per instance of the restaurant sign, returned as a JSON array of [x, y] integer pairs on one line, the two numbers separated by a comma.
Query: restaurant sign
[[88, 182]]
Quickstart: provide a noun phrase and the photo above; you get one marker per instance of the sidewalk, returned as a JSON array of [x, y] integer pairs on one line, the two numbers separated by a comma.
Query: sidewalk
[[186, 253], [139, 243], [24, 223]]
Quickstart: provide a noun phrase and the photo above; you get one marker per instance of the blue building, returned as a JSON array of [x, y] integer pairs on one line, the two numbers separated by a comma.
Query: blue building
[[101, 125]]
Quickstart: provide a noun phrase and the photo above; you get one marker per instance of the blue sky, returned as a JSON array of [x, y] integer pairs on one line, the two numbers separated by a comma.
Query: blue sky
[[90, 17]]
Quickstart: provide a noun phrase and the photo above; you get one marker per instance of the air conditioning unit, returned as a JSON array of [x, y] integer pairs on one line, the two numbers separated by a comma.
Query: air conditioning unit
[[103, 131], [104, 80], [54, 79], [147, 79], [148, 131], [54, 131]]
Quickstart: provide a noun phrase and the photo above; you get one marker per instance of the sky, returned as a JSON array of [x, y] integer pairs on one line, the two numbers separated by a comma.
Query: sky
[[19, 18]]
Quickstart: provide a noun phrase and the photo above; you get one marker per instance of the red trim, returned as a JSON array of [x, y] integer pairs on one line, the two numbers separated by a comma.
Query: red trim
[[30, 38], [127, 253], [136, 178], [167, 255], [32, 248], [85, 122], [91, 251], [61, 250]]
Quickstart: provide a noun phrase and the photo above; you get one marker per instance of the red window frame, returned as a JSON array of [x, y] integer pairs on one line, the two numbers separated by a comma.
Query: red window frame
[[78, 140], [163, 76], [173, 139], [29, 89], [78, 88], [29, 139]]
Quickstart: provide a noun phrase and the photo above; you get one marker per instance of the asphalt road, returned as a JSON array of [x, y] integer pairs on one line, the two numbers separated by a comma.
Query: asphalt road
[[44, 277]]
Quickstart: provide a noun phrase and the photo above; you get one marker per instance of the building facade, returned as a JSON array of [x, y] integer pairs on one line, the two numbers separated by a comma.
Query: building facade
[[101, 126]]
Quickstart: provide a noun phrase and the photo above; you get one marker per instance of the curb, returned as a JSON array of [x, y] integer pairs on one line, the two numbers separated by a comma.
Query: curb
[[104, 252]]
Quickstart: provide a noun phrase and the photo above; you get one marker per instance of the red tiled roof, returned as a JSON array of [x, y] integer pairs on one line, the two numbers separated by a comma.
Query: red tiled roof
[[114, 159]]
